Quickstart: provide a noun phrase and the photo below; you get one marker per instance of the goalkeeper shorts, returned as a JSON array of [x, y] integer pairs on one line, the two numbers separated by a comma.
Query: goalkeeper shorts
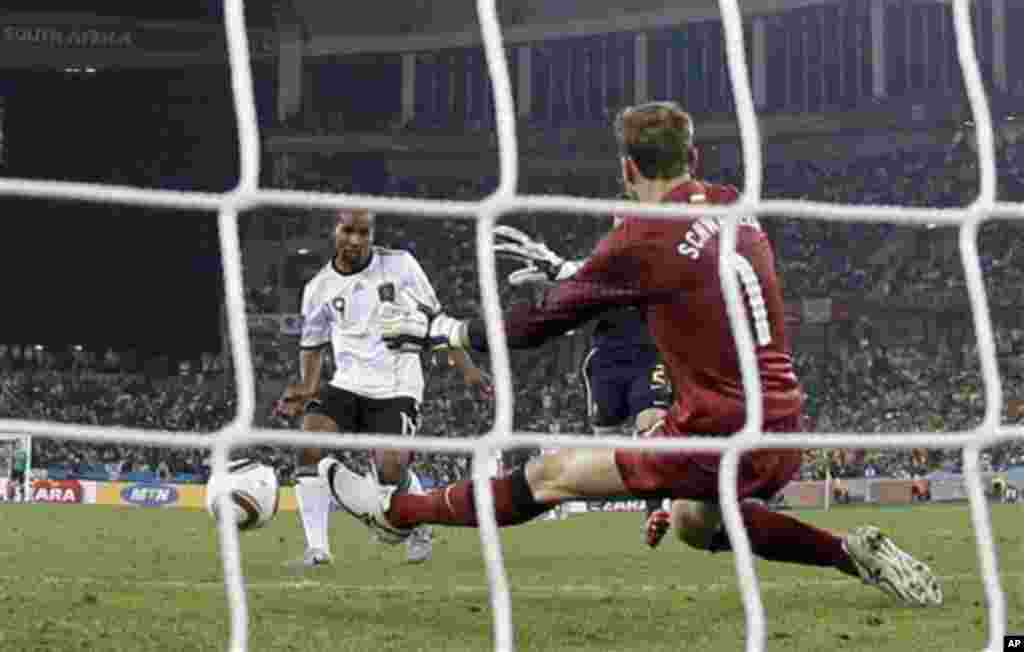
[[693, 475]]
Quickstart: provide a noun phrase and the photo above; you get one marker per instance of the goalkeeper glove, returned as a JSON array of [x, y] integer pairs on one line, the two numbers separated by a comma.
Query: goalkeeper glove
[[542, 264], [415, 330]]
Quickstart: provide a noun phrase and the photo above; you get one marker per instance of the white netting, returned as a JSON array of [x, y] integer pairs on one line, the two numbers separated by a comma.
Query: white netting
[[505, 200]]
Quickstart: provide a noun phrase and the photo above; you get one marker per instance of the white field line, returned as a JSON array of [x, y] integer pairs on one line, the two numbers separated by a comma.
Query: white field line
[[539, 590]]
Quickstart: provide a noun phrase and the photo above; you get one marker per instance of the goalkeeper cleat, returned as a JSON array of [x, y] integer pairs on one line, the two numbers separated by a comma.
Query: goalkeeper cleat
[[881, 563], [655, 527], [420, 546], [363, 498]]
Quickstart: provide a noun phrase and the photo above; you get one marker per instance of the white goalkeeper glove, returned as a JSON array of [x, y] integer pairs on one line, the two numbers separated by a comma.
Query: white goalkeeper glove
[[414, 330], [542, 264]]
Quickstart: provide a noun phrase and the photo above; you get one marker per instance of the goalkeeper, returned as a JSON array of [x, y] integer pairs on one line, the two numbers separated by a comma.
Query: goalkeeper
[[625, 382], [673, 270]]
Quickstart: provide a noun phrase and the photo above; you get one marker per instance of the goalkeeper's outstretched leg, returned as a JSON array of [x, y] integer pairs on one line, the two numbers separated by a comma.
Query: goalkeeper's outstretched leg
[[872, 556], [568, 474]]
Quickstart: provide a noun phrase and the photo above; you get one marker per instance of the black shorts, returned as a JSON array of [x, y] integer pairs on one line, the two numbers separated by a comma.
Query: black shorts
[[354, 413]]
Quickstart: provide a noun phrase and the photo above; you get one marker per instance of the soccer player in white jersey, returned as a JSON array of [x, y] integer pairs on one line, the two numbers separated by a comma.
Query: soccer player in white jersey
[[374, 389]]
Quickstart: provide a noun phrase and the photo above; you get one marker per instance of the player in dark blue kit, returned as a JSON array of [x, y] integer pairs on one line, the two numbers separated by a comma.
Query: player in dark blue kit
[[626, 384], [621, 373]]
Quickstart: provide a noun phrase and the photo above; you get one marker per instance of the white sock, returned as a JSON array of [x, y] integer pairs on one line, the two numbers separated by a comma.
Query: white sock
[[414, 484], [314, 500]]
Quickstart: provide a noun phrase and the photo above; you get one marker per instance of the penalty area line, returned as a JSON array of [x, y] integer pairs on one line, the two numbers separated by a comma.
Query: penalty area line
[[541, 590]]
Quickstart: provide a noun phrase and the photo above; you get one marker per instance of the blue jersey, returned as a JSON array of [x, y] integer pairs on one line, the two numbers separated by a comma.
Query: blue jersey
[[621, 336]]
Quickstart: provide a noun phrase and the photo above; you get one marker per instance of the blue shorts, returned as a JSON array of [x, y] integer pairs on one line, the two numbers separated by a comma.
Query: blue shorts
[[617, 392]]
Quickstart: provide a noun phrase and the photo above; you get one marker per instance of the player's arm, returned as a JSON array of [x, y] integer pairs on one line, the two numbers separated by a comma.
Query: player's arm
[[472, 375], [296, 395], [311, 362], [616, 275], [541, 265], [417, 290], [314, 339], [424, 295], [570, 304]]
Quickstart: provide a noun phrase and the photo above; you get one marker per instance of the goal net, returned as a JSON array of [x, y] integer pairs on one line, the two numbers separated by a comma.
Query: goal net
[[15, 468], [507, 199]]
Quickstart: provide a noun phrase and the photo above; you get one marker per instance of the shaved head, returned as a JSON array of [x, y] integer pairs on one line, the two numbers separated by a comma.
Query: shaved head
[[353, 238]]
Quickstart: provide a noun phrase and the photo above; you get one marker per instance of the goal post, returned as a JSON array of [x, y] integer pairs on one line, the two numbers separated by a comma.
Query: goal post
[[15, 468]]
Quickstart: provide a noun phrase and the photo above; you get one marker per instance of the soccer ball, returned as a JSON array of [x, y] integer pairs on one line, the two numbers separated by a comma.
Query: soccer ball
[[253, 489]]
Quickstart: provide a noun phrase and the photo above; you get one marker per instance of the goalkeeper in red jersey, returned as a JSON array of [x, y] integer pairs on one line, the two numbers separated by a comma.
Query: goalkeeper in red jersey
[[671, 270]]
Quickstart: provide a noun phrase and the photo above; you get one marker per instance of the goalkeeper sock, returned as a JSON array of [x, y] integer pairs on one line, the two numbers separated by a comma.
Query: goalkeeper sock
[[314, 500], [778, 537], [453, 505]]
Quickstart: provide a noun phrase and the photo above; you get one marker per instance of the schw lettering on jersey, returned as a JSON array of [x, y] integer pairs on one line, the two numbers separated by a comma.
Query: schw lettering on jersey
[[698, 235], [703, 230]]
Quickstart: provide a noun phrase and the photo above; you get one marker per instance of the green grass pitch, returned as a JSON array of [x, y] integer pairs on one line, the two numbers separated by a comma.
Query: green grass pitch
[[98, 578]]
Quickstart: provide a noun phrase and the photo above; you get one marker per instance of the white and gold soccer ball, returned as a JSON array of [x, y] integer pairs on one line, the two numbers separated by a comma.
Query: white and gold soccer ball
[[253, 489]]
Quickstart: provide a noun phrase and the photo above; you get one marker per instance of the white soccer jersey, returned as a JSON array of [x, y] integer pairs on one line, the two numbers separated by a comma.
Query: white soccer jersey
[[345, 310]]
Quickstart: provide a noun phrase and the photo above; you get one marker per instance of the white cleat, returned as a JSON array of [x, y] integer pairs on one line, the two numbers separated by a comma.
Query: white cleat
[[363, 498], [420, 546], [313, 557], [881, 563]]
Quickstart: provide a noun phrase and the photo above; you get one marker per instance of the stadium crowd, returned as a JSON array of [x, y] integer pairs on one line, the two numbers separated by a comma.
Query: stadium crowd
[[861, 385]]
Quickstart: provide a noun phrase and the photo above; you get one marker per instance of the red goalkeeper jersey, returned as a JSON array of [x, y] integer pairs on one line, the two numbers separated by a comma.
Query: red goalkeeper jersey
[[670, 268]]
